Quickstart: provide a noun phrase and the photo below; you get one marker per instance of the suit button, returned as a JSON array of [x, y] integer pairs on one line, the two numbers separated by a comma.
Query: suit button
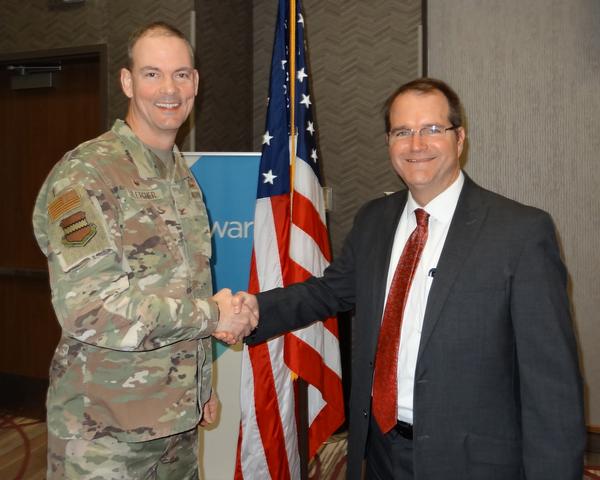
[[371, 363], [364, 412]]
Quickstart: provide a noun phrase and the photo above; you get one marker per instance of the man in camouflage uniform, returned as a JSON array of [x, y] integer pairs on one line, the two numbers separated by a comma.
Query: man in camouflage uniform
[[126, 234]]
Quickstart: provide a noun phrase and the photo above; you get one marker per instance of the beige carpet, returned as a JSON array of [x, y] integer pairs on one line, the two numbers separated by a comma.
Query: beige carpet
[[23, 453]]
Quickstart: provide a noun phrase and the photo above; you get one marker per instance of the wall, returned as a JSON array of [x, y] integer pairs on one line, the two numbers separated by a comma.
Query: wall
[[34, 25], [529, 76], [224, 52], [359, 53]]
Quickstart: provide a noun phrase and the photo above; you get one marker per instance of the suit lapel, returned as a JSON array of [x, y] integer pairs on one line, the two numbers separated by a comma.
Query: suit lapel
[[462, 235]]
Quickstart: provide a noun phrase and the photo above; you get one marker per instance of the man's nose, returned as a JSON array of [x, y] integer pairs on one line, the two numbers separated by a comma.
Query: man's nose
[[168, 85], [417, 142]]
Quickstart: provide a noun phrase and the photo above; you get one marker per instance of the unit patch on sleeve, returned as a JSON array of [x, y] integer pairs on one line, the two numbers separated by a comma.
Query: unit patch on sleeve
[[77, 229], [78, 232]]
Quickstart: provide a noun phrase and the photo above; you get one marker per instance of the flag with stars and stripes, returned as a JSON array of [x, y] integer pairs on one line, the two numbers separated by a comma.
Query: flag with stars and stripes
[[290, 244]]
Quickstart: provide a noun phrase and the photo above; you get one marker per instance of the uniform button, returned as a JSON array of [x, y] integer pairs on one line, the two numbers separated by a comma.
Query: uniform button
[[371, 363], [364, 412]]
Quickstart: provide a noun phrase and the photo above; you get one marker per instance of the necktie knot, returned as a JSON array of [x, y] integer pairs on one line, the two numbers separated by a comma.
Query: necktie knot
[[422, 217]]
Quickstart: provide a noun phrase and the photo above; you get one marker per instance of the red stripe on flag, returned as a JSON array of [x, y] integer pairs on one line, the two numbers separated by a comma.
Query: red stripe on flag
[[280, 206], [253, 285], [269, 426], [305, 360], [238, 474], [296, 273], [331, 324], [306, 217]]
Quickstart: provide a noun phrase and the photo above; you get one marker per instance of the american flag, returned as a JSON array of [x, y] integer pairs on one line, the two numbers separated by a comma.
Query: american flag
[[290, 244]]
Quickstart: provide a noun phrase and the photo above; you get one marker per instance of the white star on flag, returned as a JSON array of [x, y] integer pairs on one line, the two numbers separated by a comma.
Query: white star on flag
[[267, 138], [301, 75], [300, 19], [313, 155], [283, 62], [310, 128], [269, 177], [305, 100]]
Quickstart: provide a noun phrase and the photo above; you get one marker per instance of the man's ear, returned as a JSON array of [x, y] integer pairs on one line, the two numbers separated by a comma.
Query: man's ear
[[460, 139], [196, 81], [126, 81]]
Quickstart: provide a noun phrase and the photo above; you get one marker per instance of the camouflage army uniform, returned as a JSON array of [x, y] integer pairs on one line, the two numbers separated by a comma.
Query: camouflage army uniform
[[128, 249], [170, 458]]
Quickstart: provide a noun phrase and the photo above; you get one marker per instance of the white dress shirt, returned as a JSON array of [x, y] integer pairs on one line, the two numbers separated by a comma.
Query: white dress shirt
[[440, 209]]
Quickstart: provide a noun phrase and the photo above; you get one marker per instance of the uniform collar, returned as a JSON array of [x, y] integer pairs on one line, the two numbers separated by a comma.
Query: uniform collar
[[146, 162]]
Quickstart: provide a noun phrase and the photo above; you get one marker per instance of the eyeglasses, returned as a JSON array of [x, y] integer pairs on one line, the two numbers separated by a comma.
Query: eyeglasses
[[430, 131]]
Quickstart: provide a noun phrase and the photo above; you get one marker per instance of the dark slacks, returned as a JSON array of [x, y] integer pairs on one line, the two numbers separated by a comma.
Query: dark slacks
[[389, 456]]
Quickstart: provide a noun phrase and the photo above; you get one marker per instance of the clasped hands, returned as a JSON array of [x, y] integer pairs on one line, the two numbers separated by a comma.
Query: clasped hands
[[238, 315]]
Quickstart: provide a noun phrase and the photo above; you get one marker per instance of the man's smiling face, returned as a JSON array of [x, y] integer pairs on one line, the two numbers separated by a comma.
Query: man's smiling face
[[162, 85], [428, 165]]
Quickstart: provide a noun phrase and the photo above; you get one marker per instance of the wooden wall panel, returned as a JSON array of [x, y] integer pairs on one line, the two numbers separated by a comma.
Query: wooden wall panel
[[37, 127], [224, 52], [34, 25]]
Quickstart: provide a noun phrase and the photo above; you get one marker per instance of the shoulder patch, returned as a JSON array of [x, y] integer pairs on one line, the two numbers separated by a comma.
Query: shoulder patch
[[63, 203], [78, 231]]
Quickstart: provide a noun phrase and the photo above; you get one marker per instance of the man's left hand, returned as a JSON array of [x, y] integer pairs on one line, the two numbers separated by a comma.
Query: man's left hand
[[210, 410]]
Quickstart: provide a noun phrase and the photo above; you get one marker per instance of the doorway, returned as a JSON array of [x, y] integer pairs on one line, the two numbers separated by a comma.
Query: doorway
[[50, 102]]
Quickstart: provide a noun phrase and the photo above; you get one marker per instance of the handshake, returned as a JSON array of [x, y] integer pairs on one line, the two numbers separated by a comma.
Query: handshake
[[238, 315]]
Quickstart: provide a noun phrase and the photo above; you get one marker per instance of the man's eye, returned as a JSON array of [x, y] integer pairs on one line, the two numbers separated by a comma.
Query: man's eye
[[183, 75], [401, 133], [150, 74], [432, 130]]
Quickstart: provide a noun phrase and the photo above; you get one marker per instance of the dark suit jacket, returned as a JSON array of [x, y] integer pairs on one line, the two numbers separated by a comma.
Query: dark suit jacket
[[497, 391]]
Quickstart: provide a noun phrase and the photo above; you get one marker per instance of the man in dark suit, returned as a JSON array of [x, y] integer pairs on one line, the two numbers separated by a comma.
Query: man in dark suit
[[464, 361]]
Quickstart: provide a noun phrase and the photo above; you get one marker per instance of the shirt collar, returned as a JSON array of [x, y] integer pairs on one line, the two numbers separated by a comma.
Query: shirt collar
[[144, 159], [442, 207]]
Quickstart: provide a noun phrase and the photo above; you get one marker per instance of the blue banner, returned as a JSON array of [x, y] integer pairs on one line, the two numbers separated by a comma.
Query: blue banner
[[228, 182]]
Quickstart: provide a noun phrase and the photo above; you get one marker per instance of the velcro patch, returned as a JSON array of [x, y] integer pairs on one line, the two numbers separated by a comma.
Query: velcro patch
[[78, 232], [63, 203], [145, 194]]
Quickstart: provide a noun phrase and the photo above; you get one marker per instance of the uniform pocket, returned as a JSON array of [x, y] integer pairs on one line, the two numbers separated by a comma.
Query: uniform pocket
[[149, 246]]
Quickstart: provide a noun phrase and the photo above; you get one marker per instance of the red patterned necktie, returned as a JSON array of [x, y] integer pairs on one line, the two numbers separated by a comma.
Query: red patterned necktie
[[385, 381]]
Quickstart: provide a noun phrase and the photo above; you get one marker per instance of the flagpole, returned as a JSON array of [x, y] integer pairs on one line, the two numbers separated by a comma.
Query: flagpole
[[301, 386], [292, 54]]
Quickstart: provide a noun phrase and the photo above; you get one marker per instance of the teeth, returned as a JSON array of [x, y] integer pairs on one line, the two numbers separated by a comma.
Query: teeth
[[417, 160], [167, 105]]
